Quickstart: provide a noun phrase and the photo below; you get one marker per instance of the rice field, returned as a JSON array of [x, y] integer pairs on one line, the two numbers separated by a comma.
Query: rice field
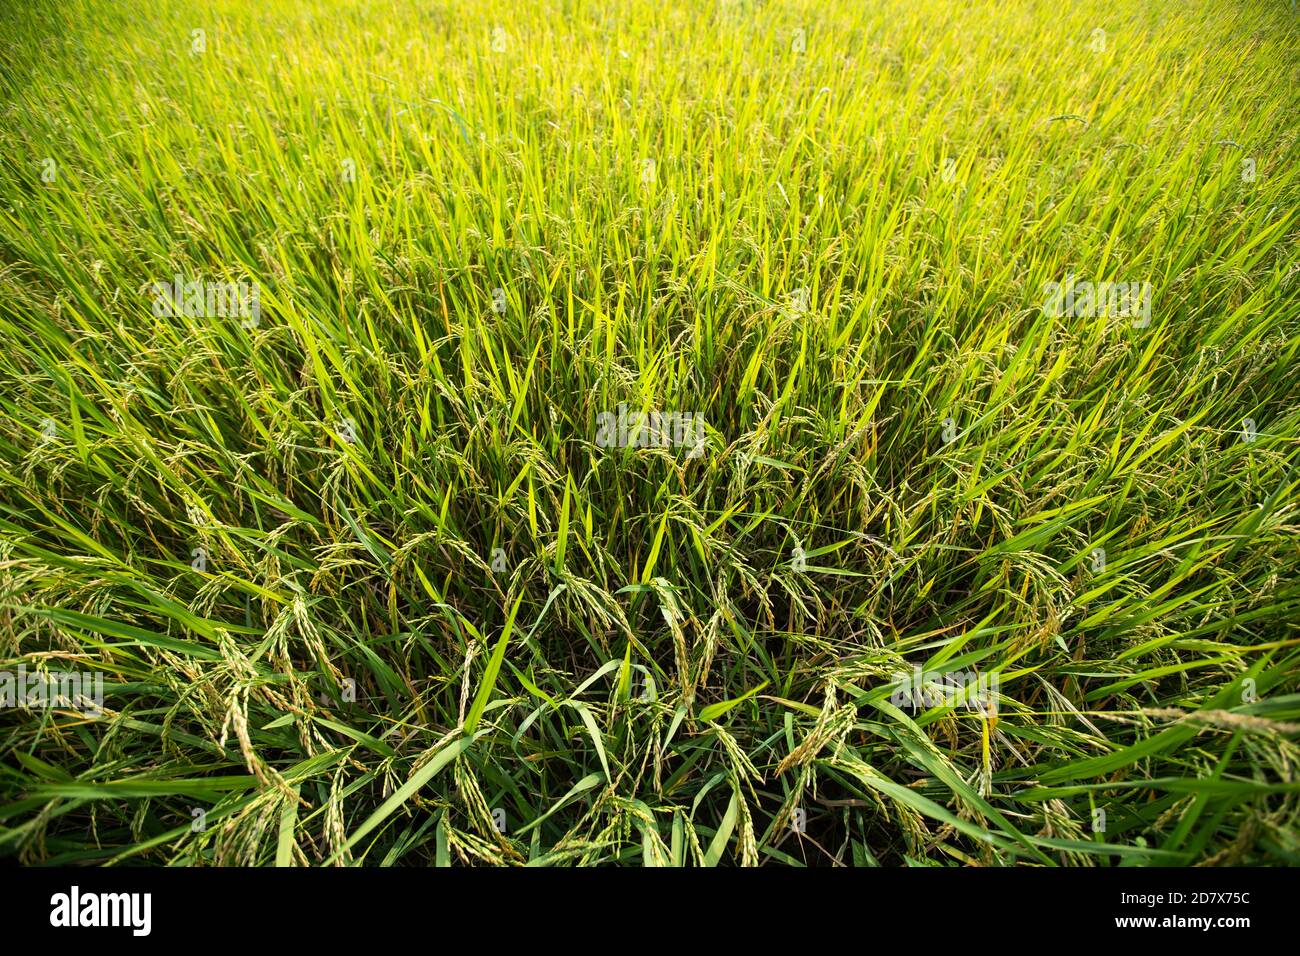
[[732, 433]]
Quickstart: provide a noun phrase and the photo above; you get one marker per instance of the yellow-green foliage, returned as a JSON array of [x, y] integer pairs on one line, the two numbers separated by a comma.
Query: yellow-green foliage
[[358, 572]]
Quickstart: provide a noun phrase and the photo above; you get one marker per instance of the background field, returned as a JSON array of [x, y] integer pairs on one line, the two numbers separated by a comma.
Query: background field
[[675, 660]]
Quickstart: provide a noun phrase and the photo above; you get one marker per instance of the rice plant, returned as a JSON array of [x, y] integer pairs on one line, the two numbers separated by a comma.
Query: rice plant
[[757, 432]]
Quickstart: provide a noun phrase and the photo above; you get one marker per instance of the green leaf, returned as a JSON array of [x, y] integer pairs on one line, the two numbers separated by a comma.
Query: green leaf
[[714, 711], [491, 671]]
